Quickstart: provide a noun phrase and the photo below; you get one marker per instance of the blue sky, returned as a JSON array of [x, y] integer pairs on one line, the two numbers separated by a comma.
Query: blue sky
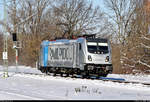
[[98, 3], [1, 9]]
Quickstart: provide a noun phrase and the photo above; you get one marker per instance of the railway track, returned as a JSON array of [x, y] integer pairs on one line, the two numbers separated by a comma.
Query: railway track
[[117, 80]]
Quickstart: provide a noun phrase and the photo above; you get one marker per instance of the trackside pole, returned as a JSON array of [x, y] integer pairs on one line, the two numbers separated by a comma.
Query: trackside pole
[[5, 53], [16, 60], [5, 59], [16, 46]]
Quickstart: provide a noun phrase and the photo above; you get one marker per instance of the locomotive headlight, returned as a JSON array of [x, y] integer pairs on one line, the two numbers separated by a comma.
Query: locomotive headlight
[[107, 59], [89, 58]]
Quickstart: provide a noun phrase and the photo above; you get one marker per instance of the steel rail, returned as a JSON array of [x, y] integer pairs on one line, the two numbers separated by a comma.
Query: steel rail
[[118, 81]]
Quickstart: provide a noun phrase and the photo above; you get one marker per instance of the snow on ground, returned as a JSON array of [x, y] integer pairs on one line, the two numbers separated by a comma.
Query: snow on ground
[[22, 86]]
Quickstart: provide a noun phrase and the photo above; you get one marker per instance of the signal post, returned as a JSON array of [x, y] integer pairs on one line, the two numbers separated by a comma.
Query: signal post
[[5, 51], [16, 46]]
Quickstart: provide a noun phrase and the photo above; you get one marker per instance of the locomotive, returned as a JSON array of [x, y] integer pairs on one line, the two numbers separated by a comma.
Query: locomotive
[[80, 56]]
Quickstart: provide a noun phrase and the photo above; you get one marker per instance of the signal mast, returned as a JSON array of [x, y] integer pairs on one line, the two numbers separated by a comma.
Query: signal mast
[[5, 52]]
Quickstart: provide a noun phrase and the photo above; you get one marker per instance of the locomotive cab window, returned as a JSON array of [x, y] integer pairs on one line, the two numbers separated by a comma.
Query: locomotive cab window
[[97, 48], [102, 48]]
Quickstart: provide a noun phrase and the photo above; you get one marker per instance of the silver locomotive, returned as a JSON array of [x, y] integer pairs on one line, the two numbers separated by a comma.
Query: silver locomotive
[[82, 56]]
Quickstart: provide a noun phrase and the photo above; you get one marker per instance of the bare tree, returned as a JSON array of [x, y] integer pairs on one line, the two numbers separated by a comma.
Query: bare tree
[[26, 17], [139, 39], [121, 13], [131, 29], [76, 17]]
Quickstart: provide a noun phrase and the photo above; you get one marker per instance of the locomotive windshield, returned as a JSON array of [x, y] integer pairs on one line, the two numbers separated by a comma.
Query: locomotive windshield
[[97, 48]]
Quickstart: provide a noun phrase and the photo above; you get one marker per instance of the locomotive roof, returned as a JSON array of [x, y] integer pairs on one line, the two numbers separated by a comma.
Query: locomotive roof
[[102, 40], [79, 40]]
